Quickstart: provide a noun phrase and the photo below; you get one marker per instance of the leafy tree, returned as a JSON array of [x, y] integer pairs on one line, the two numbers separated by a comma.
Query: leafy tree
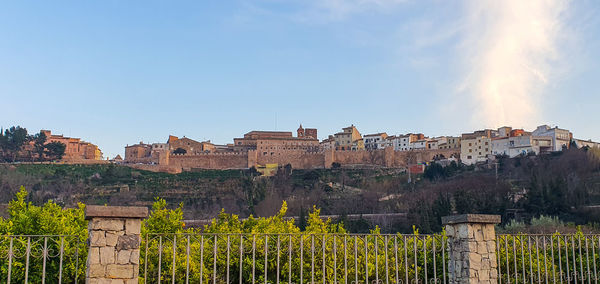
[[14, 138], [39, 145], [179, 151], [26, 219], [55, 150]]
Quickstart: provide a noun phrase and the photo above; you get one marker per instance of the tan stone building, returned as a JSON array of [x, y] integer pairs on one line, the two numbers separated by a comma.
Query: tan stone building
[[75, 149], [275, 142], [348, 138], [189, 145], [477, 146], [138, 153]]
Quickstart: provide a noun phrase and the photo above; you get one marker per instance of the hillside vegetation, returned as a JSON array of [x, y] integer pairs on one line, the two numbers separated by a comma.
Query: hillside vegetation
[[566, 185]]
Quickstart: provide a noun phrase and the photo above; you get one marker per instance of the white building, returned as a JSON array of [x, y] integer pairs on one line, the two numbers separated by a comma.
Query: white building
[[388, 142], [374, 141], [521, 145], [419, 144], [405, 142], [560, 137]]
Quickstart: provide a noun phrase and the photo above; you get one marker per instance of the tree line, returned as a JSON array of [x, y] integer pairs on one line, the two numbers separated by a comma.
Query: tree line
[[17, 145]]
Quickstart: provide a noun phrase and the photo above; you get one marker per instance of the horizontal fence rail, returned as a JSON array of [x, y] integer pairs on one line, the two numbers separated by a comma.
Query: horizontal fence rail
[[293, 258], [573, 258], [42, 259]]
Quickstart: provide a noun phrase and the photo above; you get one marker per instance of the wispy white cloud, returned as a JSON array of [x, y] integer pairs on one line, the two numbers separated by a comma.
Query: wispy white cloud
[[508, 51]]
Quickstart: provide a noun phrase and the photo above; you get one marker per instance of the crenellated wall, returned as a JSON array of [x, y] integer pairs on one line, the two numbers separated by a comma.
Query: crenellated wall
[[299, 159], [227, 160]]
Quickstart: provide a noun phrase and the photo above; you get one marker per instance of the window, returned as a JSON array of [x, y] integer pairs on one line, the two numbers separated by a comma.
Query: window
[[469, 157]]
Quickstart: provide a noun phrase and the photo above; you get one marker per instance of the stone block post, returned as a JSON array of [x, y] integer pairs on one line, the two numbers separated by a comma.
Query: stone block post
[[114, 244], [472, 248]]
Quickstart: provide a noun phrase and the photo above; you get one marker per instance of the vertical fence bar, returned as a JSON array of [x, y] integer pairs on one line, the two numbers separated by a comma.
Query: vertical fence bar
[[62, 249], [27, 253], [159, 257], [301, 258], [241, 257], [406, 259], [266, 257], [567, 259], [507, 258], [530, 259], [253, 258], [44, 257], [434, 264], [312, 261], [10, 258], [396, 258], [228, 252], [416, 240], [278, 248], [574, 258], [594, 258], [323, 257], [499, 258], [289, 259], [514, 246], [587, 259], [523, 258], [201, 258], [425, 257], [376, 241], [387, 269], [366, 260], [580, 258], [545, 259], [216, 240], [537, 256], [552, 257], [174, 257], [345, 260], [334, 260], [187, 261], [355, 259]]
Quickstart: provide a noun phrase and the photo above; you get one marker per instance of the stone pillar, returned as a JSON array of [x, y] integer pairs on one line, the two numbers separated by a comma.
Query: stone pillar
[[472, 248], [114, 243]]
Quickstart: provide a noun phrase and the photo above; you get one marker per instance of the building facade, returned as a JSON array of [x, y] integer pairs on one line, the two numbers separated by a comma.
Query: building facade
[[561, 138], [75, 148], [375, 141], [348, 139]]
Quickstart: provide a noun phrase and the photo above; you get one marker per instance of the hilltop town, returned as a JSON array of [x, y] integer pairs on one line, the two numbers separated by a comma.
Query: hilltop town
[[348, 148], [268, 150]]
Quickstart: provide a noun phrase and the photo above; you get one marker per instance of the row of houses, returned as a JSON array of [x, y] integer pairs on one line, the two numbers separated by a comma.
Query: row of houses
[[477, 146], [474, 147], [350, 139]]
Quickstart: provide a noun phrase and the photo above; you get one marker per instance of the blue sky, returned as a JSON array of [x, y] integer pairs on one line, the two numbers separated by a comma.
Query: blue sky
[[121, 72]]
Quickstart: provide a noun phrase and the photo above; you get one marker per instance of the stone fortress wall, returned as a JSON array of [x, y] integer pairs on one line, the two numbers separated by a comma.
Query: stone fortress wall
[[389, 158]]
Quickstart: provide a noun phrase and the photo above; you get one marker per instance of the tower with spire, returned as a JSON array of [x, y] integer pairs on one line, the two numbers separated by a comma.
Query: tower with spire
[[300, 131]]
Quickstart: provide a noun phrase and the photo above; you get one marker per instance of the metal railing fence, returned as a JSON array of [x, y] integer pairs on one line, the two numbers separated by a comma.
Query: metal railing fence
[[571, 258], [293, 258], [42, 259]]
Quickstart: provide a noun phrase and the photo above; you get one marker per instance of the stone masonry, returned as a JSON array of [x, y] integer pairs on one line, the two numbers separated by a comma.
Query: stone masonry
[[114, 244], [472, 248]]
